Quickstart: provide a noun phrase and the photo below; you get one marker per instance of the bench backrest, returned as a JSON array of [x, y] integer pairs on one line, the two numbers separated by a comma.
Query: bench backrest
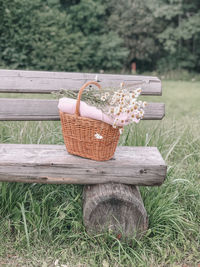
[[17, 81]]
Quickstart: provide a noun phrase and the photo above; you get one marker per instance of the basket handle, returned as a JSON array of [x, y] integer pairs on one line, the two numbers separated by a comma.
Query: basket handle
[[77, 113]]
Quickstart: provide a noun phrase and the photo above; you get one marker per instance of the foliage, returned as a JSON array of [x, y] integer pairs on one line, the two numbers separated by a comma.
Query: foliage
[[94, 35], [179, 34], [40, 35], [136, 26]]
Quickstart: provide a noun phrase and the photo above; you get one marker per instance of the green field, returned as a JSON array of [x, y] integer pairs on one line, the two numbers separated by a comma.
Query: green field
[[40, 224]]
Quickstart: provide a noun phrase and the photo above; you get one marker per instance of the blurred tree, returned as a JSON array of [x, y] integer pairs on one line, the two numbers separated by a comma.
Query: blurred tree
[[134, 22], [179, 35], [102, 48], [42, 35], [89, 35]]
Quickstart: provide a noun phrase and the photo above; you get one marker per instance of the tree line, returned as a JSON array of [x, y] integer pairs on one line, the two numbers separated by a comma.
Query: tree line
[[94, 35]]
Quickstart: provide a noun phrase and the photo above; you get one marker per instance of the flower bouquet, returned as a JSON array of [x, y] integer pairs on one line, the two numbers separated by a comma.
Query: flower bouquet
[[93, 118]]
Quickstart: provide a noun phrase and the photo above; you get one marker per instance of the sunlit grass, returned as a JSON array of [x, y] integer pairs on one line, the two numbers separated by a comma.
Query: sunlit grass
[[42, 223]]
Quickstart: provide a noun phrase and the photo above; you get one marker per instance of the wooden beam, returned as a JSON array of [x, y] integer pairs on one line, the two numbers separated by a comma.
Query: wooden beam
[[52, 164], [17, 81], [41, 109]]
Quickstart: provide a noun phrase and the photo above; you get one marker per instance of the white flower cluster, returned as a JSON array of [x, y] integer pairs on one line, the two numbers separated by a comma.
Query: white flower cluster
[[105, 96], [98, 136], [124, 106]]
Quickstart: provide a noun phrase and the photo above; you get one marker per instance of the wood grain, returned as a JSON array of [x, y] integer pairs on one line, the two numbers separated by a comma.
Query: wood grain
[[52, 164], [17, 81], [41, 109]]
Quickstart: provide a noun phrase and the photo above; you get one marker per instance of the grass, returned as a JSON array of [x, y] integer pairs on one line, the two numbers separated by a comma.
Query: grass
[[40, 224]]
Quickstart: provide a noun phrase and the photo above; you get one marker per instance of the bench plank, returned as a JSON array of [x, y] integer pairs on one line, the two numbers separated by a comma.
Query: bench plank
[[52, 164], [42, 109], [17, 81]]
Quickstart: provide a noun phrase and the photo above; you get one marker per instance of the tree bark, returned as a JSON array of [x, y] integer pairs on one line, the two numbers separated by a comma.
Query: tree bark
[[114, 207]]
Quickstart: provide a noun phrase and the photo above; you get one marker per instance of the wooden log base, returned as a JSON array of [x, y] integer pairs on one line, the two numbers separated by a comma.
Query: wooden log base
[[114, 207]]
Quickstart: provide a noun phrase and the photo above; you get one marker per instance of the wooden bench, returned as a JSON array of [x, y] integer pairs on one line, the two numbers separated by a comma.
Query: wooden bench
[[111, 196]]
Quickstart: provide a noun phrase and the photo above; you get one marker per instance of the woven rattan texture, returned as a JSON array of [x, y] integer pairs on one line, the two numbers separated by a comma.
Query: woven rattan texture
[[80, 137]]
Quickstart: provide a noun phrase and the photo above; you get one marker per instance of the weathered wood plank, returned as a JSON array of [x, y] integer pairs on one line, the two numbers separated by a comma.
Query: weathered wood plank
[[41, 109], [52, 164], [46, 82]]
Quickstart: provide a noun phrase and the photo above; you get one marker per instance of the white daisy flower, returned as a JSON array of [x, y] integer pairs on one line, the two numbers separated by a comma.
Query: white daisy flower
[[103, 98], [144, 104], [107, 94], [98, 136]]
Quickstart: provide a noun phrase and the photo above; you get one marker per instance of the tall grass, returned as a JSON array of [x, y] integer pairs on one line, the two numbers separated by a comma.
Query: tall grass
[[43, 223]]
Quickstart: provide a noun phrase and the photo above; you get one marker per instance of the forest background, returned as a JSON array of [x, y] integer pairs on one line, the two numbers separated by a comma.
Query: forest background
[[94, 35]]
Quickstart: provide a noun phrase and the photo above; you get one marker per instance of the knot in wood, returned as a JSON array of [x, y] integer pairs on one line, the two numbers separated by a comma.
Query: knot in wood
[[143, 171]]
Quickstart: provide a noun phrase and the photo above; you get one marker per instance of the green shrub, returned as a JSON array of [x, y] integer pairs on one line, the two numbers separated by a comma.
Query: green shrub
[[42, 35]]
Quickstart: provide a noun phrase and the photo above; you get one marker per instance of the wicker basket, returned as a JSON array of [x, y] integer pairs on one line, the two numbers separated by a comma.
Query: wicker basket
[[86, 137]]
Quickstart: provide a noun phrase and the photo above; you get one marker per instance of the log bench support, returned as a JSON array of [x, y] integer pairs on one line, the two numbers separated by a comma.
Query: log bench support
[[115, 207], [111, 198]]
